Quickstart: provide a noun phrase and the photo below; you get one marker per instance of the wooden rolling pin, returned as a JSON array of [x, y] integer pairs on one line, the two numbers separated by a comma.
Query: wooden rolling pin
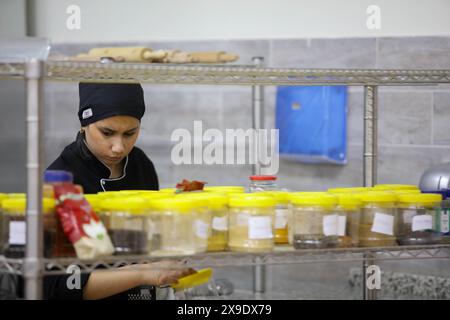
[[129, 54], [177, 56], [213, 56]]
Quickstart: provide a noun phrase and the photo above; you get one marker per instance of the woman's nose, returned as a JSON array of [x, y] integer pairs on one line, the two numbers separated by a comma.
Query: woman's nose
[[118, 146]]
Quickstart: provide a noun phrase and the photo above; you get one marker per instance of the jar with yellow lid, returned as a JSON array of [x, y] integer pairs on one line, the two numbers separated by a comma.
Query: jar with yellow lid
[[417, 219], [349, 211], [3, 196], [251, 222], [315, 222], [378, 225], [14, 227], [385, 187], [281, 224], [173, 230], [126, 220]]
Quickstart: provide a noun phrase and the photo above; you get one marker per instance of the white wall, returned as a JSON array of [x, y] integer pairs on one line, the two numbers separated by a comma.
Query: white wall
[[135, 20], [12, 18]]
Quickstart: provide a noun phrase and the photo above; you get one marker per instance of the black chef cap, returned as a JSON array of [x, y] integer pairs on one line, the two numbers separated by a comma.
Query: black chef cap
[[103, 100]]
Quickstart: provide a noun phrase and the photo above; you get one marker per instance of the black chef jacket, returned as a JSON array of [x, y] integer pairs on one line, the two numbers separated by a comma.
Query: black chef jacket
[[138, 174]]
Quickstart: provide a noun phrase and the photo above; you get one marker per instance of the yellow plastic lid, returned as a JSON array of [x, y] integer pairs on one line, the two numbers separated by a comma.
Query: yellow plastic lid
[[193, 280], [18, 205], [3, 196], [314, 199], [412, 191], [176, 203], [350, 190], [168, 190], [348, 201], [94, 200], [17, 195], [419, 198], [216, 200], [307, 193], [225, 189], [257, 200], [395, 187], [282, 197], [378, 196], [132, 204]]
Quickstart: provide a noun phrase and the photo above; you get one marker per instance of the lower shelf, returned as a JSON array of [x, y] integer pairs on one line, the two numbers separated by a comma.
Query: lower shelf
[[281, 255]]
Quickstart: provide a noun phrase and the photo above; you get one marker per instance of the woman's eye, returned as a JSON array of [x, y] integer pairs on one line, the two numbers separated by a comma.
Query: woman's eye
[[129, 134], [106, 133]]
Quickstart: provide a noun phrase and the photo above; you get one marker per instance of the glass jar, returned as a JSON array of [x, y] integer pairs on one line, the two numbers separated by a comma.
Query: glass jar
[[417, 218], [378, 224], [315, 220], [281, 224], [349, 211], [3, 196], [251, 223], [14, 227], [173, 228], [263, 183], [125, 219]]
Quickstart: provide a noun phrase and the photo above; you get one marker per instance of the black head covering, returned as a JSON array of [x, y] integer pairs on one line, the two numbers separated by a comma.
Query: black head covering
[[103, 100]]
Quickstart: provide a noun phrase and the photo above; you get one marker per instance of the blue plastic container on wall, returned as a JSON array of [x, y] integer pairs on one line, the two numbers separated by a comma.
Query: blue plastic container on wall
[[312, 123]]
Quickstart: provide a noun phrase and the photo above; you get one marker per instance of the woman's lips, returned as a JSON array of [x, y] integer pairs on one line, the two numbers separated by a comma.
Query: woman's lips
[[114, 159]]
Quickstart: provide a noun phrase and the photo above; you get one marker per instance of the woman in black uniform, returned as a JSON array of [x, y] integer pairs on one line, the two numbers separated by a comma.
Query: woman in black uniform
[[104, 158]]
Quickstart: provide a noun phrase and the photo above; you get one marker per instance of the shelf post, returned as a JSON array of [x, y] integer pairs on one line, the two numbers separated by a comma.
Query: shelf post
[[370, 135], [34, 229]]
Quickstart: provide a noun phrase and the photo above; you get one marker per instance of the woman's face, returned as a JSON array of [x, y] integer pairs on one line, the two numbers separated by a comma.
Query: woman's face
[[112, 139]]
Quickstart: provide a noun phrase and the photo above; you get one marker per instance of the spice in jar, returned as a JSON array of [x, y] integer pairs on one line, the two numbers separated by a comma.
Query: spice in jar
[[14, 227], [378, 224], [315, 221], [417, 218], [251, 222]]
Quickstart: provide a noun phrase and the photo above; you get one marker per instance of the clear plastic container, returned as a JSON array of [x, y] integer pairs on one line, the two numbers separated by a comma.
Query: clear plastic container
[[281, 216], [175, 227], [251, 222], [417, 218], [14, 227], [126, 220], [218, 205], [349, 211], [315, 221], [378, 226], [263, 183]]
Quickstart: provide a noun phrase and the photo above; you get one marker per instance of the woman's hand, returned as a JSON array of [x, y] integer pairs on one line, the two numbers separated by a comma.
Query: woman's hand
[[161, 273]]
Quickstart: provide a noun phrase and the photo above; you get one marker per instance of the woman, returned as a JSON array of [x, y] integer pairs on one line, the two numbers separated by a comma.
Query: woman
[[104, 158]]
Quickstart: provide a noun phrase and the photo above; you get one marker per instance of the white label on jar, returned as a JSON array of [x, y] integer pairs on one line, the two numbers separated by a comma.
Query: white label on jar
[[342, 222], [242, 219], [201, 229], [408, 216], [220, 223], [281, 218], [17, 232], [383, 223], [330, 225], [260, 228], [445, 221], [422, 222]]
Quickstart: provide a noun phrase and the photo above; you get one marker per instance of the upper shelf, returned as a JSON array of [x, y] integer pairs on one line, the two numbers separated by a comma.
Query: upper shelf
[[224, 74], [281, 255]]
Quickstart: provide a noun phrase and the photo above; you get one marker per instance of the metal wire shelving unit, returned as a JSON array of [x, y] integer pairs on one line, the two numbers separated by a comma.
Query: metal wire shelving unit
[[33, 267]]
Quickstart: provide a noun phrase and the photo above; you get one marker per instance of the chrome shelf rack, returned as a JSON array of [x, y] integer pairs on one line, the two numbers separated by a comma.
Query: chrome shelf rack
[[35, 72]]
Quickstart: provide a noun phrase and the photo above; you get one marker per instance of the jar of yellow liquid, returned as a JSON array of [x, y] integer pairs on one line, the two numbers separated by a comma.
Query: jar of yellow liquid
[[281, 224]]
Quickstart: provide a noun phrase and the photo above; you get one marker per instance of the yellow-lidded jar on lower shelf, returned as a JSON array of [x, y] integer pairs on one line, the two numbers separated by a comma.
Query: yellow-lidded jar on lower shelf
[[14, 227], [349, 212], [315, 222], [378, 224], [125, 219], [281, 223], [218, 206], [174, 227], [251, 222]]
